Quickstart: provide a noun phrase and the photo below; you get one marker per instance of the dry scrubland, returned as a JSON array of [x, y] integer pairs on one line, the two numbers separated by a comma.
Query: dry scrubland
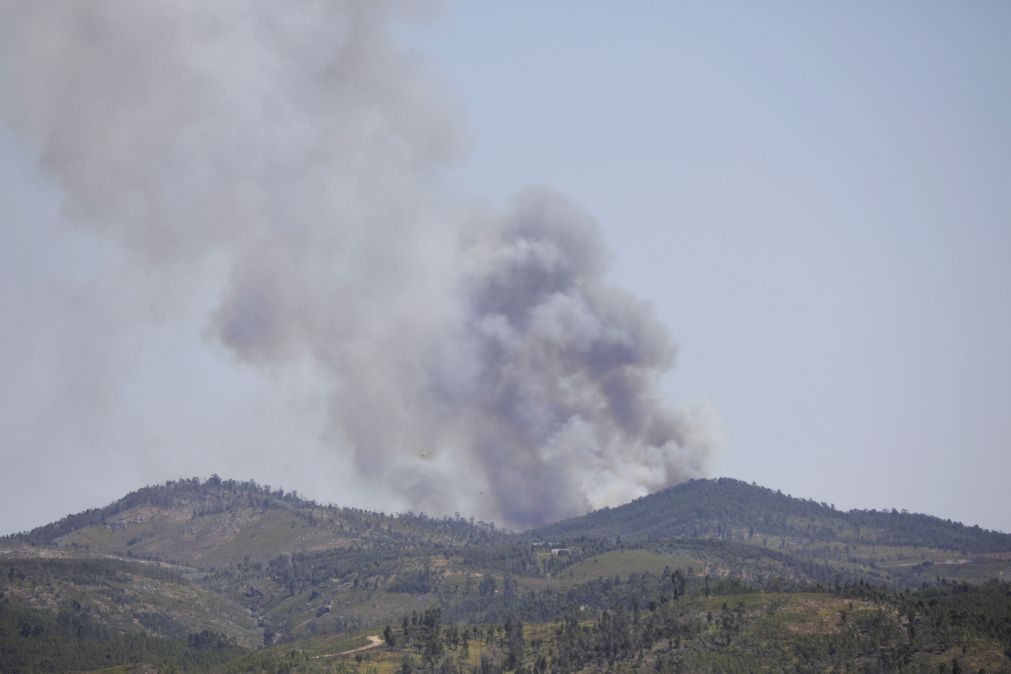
[[712, 575]]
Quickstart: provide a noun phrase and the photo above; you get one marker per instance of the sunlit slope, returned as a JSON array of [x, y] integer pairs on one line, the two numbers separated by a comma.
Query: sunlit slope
[[215, 523]]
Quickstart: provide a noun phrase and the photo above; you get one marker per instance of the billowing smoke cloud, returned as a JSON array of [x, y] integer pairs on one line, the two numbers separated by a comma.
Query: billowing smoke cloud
[[287, 158]]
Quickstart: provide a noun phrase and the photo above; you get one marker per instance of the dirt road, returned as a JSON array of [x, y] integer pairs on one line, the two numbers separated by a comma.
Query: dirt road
[[374, 642]]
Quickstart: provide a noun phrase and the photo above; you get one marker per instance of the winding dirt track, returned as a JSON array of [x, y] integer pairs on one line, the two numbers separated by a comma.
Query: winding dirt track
[[374, 642]]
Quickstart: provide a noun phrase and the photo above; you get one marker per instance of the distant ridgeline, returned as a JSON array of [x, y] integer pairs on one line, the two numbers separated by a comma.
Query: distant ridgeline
[[729, 509], [710, 575], [206, 497], [722, 508], [215, 496]]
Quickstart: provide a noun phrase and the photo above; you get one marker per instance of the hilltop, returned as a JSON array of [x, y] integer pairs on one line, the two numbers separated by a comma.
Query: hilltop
[[217, 522], [732, 510], [200, 573]]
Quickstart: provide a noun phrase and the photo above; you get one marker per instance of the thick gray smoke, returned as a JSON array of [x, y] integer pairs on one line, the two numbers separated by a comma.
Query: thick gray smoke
[[287, 158]]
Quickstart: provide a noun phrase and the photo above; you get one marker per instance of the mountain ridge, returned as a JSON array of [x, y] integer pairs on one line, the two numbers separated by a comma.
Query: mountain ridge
[[210, 570], [214, 521], [742, 507], [213, 494]]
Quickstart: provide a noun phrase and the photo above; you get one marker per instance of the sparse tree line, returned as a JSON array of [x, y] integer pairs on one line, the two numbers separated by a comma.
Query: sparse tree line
[[678, 631], [674, 622]]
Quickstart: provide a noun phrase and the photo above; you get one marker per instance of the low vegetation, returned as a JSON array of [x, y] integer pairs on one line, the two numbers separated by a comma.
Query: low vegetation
[[712, 575]]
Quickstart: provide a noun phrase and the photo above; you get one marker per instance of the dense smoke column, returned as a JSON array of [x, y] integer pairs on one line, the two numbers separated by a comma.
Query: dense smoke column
[[566, 412], [284, 159]]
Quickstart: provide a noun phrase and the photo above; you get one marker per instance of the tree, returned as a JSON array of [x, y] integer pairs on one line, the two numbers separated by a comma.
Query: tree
[[431, 637], [678, 581], [509, 586], [514, 643]]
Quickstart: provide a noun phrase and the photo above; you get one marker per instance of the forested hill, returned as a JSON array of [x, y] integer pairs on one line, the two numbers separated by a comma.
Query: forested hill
[[711, 575], [215, 521], [733, 510], [200, 496], [195, 516]]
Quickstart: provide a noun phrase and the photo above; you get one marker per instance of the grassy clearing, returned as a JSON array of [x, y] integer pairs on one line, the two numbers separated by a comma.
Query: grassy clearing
[[208, 541], [626, 562], [973, 571], [353, 607], [272, 533]]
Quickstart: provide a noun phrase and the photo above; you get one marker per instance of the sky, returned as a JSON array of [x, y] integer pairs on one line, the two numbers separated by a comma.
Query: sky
[[812, 199]]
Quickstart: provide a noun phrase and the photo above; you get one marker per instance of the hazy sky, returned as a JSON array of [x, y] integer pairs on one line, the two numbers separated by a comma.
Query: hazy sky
[[815, 196], [815, 199]]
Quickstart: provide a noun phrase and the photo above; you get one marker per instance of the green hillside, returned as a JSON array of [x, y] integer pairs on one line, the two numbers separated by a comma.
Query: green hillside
[[711, 575]]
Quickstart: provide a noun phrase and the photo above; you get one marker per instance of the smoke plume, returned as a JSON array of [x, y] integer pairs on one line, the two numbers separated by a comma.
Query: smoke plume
[[288, 160]]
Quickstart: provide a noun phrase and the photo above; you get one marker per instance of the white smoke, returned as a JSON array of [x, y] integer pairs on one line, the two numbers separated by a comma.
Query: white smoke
[[472, 363]]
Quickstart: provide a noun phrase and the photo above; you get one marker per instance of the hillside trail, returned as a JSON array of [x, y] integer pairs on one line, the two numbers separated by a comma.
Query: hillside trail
[[374, 642]]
